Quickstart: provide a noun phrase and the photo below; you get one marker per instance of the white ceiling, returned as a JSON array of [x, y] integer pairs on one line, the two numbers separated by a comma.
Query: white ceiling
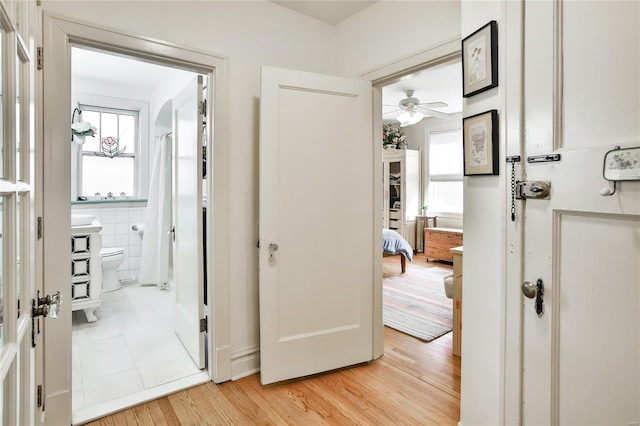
[[331, 12], [108, 68], [442, 83]]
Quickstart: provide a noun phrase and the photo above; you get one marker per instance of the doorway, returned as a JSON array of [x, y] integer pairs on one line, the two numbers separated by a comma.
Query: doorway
[[396, 74], [56, 193], [124, 341], [422, 158]]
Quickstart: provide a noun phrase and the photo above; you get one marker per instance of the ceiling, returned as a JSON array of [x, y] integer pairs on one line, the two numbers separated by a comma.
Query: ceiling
[[109, 68], [441, 83], [331, 12]]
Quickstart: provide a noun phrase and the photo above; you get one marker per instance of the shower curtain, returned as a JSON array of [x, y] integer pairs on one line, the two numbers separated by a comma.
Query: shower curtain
[[156, 241]]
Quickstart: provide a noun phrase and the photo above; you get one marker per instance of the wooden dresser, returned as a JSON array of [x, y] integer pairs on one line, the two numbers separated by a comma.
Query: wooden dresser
[[457, 300], [438, 242]]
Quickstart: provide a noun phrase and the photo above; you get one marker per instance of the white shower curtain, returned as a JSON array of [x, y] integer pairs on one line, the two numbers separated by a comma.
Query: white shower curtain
[[156, 240]]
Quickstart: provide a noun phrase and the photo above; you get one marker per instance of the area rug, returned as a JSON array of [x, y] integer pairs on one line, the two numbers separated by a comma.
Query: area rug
[[414, 303]]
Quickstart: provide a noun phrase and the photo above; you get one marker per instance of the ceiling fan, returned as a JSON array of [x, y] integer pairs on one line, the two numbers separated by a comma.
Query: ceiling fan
[[413, 111]]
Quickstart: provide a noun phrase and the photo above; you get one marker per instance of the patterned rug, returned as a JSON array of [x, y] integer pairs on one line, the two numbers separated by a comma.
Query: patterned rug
[[414, 303]]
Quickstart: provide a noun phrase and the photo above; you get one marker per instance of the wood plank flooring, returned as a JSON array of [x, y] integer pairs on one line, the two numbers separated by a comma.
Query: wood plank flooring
[[414, 383]]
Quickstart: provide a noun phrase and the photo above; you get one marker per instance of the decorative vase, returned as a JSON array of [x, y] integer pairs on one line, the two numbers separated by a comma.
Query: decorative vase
[[402, 145]]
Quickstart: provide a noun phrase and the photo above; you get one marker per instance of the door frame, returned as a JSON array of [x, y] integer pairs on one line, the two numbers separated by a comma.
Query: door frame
[[60, 33], [380, 77], [512, 333]]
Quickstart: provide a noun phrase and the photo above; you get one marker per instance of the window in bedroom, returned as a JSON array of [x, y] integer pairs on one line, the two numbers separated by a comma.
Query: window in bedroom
[[445, 171], [104, 174]]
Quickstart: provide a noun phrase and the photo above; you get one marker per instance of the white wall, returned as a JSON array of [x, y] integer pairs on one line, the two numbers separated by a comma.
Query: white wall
[[484, 253], [261, 33], [251, 34], [389, 30]]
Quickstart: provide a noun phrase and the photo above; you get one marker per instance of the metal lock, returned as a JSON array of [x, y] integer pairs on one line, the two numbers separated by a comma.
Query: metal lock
[[537, 189]]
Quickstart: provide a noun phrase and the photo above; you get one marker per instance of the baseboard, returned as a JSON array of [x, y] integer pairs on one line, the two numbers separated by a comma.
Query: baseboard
[[245, 362]]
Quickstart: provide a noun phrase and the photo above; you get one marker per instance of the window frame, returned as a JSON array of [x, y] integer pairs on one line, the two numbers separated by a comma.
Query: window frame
[[443, 177], [136, 155]]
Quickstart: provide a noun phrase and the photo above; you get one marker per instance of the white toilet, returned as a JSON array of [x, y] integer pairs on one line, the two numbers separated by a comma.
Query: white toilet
[[112, 257]]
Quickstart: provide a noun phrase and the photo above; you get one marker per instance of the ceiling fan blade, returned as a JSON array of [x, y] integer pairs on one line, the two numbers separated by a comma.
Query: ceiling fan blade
[[434, 113], [433, 105]]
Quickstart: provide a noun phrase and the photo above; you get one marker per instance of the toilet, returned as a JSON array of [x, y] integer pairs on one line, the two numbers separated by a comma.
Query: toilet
[[112, 257]]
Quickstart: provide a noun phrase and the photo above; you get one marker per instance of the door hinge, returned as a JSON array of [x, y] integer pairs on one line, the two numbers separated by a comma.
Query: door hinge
[[39, 228], [39, 395], [40, 59], [203, 325], [203, 107]]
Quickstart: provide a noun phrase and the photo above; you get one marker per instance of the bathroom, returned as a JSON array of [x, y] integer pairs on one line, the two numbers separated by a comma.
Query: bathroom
[[123, 344]]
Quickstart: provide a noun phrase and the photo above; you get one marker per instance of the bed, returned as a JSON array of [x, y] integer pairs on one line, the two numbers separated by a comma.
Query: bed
[[394, 245]]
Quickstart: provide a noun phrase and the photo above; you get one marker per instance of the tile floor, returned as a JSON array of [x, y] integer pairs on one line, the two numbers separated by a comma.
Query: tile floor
[[131, 348]]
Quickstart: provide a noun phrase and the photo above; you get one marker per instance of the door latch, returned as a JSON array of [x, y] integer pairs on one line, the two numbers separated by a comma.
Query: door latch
[[43, 306], [537, 189], [49, 305], [536, 291], [273, 248]]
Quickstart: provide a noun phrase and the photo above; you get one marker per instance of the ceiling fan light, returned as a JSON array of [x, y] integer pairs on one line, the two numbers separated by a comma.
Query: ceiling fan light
[[409, 118]]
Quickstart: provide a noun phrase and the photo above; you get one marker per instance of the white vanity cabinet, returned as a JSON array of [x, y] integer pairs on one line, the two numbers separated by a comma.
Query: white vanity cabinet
[[401, 196], [86, 269]]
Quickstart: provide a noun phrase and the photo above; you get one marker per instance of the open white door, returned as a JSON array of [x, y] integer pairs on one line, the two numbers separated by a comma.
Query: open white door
[[17, 220], [187, 219], [580, 357], [316, 223]]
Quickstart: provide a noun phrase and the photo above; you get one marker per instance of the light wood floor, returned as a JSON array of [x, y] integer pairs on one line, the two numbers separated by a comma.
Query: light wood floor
[[414, 383]]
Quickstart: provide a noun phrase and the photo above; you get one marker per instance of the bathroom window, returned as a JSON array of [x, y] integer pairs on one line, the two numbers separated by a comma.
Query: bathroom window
[[105, 175], [445, 171]]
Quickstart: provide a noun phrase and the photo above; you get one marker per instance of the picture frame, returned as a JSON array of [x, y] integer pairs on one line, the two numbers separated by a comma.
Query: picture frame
[[480, 144], [480, 60], [622, 164]]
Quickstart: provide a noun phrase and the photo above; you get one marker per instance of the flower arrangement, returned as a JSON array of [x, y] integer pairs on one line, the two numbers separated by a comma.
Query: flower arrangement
[[392, 135]]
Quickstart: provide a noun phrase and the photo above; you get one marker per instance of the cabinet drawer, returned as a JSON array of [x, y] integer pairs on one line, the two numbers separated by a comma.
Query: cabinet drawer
[[395, 214]]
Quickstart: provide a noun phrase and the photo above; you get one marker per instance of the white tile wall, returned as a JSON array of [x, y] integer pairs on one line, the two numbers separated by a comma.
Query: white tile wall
[[117, 220]]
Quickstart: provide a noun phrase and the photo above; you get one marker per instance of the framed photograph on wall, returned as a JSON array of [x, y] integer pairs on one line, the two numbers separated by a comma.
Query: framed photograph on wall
[[480, 60], [480, 143]]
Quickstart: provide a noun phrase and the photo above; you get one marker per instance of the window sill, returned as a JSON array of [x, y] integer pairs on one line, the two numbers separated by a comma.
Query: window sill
[[111, 201]]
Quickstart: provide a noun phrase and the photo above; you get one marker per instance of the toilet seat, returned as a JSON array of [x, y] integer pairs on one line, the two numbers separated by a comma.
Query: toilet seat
[[111, 251]]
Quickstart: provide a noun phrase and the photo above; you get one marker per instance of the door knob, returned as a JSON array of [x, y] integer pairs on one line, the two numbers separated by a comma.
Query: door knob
[[49, 305], [273, 248], [536, 291], [530, 290]]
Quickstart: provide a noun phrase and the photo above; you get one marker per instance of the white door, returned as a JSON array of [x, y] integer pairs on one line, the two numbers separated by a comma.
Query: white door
[[187, 219], [17, 216], [581, 358], [316, 223]]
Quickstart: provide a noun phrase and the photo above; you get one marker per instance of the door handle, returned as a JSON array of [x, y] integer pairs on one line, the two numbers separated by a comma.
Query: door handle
[[536, 291], [49, 305], [273, 248]]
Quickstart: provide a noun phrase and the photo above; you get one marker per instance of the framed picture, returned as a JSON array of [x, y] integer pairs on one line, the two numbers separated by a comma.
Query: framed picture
[[480, 143], [622, 164], [480, 60]]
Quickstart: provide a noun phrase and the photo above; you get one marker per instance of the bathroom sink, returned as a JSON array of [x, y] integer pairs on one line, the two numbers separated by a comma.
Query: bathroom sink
[[81, 219]]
